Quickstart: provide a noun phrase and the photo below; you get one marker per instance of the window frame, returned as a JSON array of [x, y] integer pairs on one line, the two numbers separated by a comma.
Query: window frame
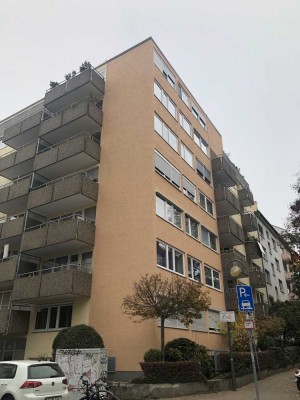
[[209, 235], [173, 207], [212, 270], [191, 274], [203, 172], [173, 249], [186, 192], [206, 199], [58, 310], [180, 91], [161, 173], [199, 116], [202, 143], [182, 119], [214, 329], [165, 99], [188, 223], [170, 133], [185, 150], [164, 69]]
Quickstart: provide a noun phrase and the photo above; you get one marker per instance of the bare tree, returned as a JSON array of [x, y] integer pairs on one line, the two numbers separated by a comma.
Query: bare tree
[[156, 297]]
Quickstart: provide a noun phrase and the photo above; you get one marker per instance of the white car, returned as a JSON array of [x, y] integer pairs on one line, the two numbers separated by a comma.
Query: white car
[[32, 380], [246, 304]]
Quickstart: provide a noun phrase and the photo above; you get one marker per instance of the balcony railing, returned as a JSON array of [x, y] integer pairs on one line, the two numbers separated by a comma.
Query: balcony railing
[[11, 230], [257, 278], [249, 222], [8, 268], [252, 250], [227, 258], [230, 233], [13, 195], [261, 309], [226, 201], [60, 282], [245, 197], [286, 257], [13, 321], [223, 173]]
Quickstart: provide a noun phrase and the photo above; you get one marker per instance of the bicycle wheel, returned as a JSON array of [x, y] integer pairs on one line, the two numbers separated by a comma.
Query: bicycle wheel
[[107, 395]]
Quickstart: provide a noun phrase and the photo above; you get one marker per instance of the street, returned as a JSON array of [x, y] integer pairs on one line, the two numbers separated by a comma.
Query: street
[[277, 387]]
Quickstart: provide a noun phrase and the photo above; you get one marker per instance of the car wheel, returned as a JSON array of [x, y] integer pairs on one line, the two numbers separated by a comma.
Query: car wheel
[[8, 397]]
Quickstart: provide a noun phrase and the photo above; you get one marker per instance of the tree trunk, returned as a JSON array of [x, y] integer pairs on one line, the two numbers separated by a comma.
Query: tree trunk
[[162, 338]]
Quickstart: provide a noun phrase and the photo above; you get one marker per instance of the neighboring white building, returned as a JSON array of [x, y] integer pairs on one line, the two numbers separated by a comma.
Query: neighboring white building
[[269, 238]]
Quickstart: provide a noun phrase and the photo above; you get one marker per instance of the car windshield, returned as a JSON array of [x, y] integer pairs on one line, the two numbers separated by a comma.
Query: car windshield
[[40, 371], [7, 371]]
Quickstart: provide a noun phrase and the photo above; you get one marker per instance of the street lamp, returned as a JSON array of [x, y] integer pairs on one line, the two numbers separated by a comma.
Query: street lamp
[[235, 272]]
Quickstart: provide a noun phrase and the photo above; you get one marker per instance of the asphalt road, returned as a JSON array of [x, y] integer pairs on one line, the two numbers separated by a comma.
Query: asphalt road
[[277, 387]]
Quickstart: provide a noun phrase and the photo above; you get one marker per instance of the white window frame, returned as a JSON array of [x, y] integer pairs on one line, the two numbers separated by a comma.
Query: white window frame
[[199, 116], [214, 327], [47, 329], [185, 190], [268, 276], [165, 100], [184, 96], [201, 143], [280, 283], [173, 250], [191, 274], [203, 172], [166, 133], [206, 200], [199, 324], [185, 124], [209, 237], [173, 170], [213, 279], [188, 226], [273, 269], [277, 265], [172, 206], [187, 155], [172, 323], [162, 66]]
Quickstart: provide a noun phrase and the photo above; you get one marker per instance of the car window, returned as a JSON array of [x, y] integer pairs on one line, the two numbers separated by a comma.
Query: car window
[[40, 371], [7, 371]]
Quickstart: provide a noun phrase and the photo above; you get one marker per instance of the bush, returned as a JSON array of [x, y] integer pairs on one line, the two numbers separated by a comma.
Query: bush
[[77, 337], [266, 342], [153, 355], [186, 347], [172, 372]]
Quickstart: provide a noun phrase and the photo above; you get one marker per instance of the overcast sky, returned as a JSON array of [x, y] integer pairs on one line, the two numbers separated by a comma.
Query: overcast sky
[[240, 59]]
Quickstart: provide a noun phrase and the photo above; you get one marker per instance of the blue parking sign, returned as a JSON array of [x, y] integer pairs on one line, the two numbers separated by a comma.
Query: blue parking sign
[[245, 298]]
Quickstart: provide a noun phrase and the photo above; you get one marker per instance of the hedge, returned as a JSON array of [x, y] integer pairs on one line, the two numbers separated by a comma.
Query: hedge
[[172, 372]]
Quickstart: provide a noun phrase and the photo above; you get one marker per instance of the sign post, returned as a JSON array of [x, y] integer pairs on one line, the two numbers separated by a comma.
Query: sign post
[[229, 317]]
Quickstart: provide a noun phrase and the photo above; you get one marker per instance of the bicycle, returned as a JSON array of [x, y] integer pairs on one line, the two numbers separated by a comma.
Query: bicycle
[[97, 391]]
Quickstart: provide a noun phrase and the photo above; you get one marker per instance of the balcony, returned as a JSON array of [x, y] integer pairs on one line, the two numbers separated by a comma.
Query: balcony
[[223, 173], [19, 162], [245, 197], [230, 233], [286, 257], [231, 299], [13, 195], [79, 117], [58, 197], [86, 83], [63, 236], [226, 202], [288, 275], [78, 153], [261, 309], [11, 231], [257, 278], [252, 250], [61, 283], [13, 321], [8, 268], [227, 258], [23, 132], [249, 222]]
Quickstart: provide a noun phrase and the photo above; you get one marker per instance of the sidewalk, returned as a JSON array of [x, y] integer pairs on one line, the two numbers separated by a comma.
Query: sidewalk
[[276, 387]]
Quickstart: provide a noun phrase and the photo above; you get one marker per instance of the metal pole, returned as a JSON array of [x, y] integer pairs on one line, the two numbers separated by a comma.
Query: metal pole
[[253, 365], [233, 380]]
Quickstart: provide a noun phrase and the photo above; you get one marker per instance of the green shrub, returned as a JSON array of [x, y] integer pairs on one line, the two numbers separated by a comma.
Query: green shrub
[[186, 347], [266, 342], [77, 337], [173, 355], [153, 355], [172, 372]]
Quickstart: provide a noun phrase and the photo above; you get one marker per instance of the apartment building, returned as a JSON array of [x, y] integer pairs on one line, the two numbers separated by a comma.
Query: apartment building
[[272, 260], [115, 173]]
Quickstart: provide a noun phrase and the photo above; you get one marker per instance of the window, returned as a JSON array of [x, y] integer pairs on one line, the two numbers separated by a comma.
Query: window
[[165, 132], [261, 230], [167, 170], [212, 277], [187, 155], [169, 258], [168, 211], [260, 297], [277, 264], [184, 97], [53, 317], [194, 269], [203, 171], [271, 299], [165, 99], [267, 233], [4, 299], [274, 244], [192, 227], [199, 324], [206, 204], [208, 238], [273, 269], [280, 285], [173, 323], [268, 276], [214, 320], [199, 116], [185, 124], [264, 254], [269, 246], [189, 189], [164, 69], [277, 294], [201, 143]]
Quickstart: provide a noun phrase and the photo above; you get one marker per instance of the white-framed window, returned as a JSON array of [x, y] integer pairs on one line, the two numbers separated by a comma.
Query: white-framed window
[[169, 258], [277, 264], [199, 325], [268, 276], [185, 124], [206, 204], [280, 285], [208, 238], [165, 132], [274, 244], [168, 211], [191, 227], [162, 66], [214, 320], [203, 171], [268, 235], [199, 116], [184, 96], [194, 269], [187, 155], [81, 261], [261, 230], [201, 142], [260, 297], [172, 323], [273, 269], [4, 299], [189, 189], [269, 247], [212, 277], [165, 99], [264, 253], [167, 170], [53, 317]]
